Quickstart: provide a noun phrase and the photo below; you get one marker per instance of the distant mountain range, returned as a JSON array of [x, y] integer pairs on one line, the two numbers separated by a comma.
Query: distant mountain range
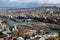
[[28, 5]]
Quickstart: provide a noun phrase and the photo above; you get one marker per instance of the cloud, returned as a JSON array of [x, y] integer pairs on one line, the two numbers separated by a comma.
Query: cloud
[[49, 1], [37, 1], [22, 1], [16, 2], [31, 1]]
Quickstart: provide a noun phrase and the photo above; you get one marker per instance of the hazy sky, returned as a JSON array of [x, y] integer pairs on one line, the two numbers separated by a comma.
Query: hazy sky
[[16, 2]]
